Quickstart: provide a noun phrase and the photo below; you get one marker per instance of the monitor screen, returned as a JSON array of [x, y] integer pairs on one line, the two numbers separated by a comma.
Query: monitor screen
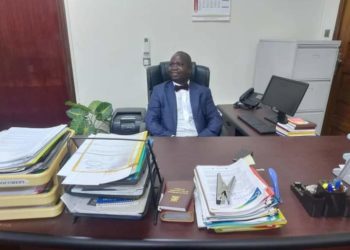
[[285, 95]]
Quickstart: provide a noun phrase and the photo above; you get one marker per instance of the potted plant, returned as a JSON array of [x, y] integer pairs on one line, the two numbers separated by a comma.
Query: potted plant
[[92, 119]]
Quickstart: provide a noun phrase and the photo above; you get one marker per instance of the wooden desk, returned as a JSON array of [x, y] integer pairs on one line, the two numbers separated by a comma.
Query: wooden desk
[[235, 127], [306, 159]]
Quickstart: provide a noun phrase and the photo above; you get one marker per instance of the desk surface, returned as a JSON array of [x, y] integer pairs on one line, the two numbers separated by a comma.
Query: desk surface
[[231, 120], [306, 159]]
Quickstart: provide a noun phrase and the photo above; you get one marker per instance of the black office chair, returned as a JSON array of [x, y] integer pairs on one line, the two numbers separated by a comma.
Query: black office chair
[[159, 73]]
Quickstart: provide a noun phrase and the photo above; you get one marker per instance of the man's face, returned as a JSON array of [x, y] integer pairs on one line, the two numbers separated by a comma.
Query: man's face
[[179, 69]]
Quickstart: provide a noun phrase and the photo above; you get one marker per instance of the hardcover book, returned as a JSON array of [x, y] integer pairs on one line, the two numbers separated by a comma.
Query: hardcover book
[[300, 123], [177, 196], [301, 132]]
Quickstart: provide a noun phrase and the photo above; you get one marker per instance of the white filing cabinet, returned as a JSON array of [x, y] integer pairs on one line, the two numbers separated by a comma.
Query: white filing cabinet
[[308, 61]]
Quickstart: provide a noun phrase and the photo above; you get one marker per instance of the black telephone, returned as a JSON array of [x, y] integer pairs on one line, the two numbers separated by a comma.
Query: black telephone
[[248, 100]]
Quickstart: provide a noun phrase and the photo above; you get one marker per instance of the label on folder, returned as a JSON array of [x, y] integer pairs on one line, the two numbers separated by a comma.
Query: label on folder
[[13, 182]]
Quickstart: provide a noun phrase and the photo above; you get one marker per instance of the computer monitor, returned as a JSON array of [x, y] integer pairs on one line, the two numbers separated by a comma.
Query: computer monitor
[[284, 95]]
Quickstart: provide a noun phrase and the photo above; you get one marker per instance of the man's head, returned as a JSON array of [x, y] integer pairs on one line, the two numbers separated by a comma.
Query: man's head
[[180, 67]]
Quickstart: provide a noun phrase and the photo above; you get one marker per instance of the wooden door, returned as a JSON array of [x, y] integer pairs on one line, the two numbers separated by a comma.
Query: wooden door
[[35, 68], [337, 119]]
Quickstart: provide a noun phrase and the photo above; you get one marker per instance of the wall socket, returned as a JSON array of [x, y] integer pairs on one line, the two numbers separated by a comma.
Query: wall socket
[[146, 52], [327, 32]]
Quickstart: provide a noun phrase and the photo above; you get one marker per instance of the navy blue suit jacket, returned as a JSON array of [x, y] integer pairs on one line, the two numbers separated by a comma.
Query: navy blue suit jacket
[[161, 117]]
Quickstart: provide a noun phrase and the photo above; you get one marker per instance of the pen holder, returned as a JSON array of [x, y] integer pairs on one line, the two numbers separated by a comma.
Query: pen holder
[[335, 201], [322, 201], [347, 206], [313, 204]]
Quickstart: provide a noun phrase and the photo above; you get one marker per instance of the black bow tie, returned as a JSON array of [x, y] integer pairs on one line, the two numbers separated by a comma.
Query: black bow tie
[[178, 87]]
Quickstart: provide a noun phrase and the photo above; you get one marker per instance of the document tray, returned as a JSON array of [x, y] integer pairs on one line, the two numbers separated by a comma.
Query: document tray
[[123, 191], [40, 199], [130, 216], [31, 212], [23, 180]]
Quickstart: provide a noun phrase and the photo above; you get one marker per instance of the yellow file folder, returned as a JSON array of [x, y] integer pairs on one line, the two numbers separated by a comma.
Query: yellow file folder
[[23, 180], [31, 212]]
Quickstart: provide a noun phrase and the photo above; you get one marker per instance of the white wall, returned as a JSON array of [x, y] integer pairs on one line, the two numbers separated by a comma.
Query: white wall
[[106, 39]]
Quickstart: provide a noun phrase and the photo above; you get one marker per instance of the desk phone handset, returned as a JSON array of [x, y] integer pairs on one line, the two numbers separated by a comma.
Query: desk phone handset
[[248, 100]]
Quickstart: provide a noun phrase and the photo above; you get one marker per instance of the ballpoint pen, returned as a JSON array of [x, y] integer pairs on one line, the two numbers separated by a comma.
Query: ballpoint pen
[[274, 180]]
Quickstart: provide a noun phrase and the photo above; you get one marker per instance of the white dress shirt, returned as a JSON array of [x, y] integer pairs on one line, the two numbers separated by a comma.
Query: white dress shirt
[[185, 122]]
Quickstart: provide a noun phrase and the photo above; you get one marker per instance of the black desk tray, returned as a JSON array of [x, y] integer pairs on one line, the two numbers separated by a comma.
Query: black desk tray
[[323, 203]]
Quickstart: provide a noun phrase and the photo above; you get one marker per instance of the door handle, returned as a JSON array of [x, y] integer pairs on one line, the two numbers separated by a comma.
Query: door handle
[[340, 57]]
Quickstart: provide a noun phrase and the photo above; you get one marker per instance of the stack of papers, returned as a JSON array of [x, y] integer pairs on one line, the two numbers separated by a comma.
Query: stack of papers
[[21, 148], [252, 204], [29, 160], [108, 176]]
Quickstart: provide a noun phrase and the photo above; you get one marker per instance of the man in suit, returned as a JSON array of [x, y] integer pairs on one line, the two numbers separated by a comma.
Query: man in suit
[[181, 107]]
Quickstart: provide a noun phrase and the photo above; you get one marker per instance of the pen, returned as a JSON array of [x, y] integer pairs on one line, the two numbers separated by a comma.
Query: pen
[[330, 188], [274, 180], [337, 184]]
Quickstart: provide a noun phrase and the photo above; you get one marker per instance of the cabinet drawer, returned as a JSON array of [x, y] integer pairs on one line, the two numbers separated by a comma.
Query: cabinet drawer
[[316, 96], [315, 63], [316, 117]]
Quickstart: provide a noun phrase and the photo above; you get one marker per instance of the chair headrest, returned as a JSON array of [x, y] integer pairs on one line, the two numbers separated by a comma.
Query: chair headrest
[[159, 73]]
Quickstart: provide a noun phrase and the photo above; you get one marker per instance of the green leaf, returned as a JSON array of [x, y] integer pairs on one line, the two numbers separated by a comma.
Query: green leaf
[[79, 125], [76, 112], [88, 130], [93, 106], [69, 103], [104, 111], [83, 118], [77, 105]]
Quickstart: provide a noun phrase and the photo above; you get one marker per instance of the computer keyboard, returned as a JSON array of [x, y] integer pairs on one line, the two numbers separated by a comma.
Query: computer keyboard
[[257, 124]]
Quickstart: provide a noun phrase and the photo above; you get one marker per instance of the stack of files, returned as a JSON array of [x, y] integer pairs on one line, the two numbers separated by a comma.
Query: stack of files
[[108, 176], [252, 204], [29, 161], [296, 127]]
